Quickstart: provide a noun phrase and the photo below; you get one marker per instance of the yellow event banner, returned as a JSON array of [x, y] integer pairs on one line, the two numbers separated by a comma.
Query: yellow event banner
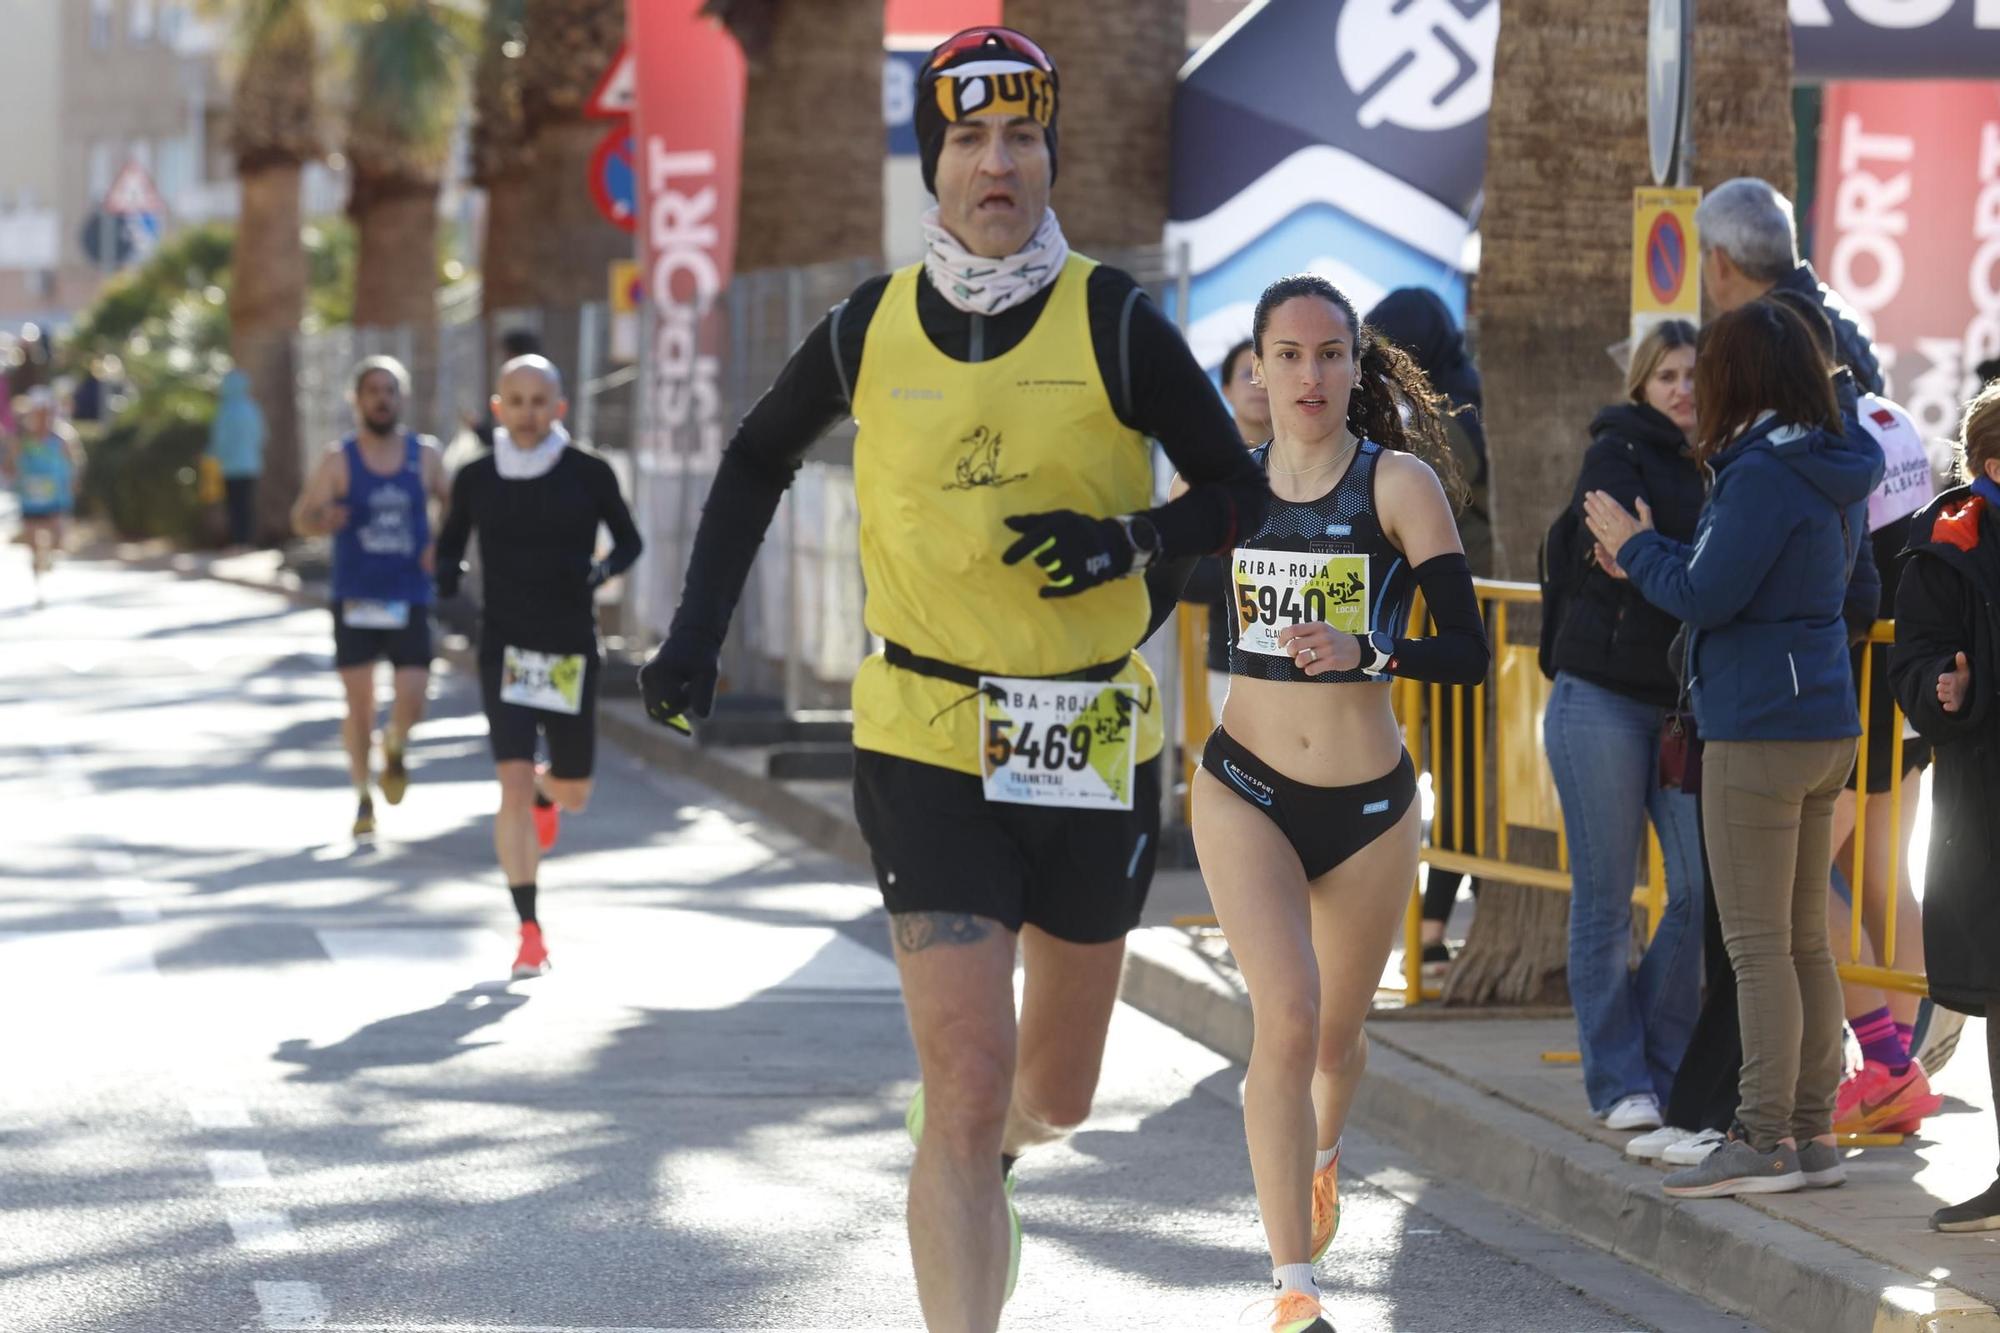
[[1666, 257]]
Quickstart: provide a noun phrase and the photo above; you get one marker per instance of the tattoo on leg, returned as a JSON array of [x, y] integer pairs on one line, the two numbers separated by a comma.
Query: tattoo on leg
[[917, 931]]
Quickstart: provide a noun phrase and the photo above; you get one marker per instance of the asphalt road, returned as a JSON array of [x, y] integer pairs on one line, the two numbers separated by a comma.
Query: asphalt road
[[257, 1076]]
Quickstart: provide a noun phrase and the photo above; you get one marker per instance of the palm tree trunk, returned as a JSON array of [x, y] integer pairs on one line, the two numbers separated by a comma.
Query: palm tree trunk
[[267, 293], [396, 278], [515, 209], [570, 46], [1553, 292], [809, 197], [1118, 60]]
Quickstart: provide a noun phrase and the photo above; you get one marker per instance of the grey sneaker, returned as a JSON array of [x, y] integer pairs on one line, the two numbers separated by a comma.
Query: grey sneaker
[[1821, 1165], [1738, 1168]]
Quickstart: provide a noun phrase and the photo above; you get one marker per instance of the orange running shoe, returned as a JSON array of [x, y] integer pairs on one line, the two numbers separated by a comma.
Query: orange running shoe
[[533, 958], [1326, 1206], [1297, 1312]]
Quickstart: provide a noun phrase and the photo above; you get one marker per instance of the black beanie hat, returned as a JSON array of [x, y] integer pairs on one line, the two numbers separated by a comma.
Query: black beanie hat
[[979, 72]]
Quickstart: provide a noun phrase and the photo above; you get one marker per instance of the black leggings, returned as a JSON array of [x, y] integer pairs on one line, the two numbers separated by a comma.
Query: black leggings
[[1325, 825]]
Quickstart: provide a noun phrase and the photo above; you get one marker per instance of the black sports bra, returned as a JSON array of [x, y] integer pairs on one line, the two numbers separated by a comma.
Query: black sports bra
[[1324, 559]]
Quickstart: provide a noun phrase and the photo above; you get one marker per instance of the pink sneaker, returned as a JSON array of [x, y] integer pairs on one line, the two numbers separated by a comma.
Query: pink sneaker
[[1876, 1101]]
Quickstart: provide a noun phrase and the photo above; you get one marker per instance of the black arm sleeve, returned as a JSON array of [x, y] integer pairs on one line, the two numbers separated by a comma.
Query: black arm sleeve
[[1931, 601], [626, 543], [810, 394], [1164, 393], [457, 533], [1458, 653]]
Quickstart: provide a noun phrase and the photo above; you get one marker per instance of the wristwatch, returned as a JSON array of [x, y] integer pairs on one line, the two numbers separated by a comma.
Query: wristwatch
[[1142, 537], [1378, 651]]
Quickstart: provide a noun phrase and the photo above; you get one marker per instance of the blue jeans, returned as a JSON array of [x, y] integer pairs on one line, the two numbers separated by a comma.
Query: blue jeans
[[1633, 1026]]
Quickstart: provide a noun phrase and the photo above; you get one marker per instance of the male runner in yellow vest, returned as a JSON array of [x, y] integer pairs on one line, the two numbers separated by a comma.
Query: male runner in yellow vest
[[1007, 774]]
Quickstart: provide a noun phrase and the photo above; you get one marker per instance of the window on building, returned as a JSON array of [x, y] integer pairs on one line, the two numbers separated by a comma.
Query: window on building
[[173, 15], [139, 21], [103, 22]]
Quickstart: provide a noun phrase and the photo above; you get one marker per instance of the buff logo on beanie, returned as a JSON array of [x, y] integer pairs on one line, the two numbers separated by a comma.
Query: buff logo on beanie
[[983, 72]]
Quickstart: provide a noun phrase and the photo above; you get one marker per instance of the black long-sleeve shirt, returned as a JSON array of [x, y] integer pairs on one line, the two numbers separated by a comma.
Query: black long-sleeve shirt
[[1156, 388], [537, 550]]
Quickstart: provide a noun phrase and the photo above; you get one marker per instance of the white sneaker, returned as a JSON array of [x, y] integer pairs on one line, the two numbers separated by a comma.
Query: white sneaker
[[1693, 1151], [1639, 1111], [1649, 1147]]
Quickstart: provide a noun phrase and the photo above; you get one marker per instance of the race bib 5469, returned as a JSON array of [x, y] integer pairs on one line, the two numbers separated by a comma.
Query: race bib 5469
[[1058, 742], [1279, 588]]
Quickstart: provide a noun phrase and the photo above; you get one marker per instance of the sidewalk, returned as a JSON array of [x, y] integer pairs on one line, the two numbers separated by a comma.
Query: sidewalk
[[1467, 1093]]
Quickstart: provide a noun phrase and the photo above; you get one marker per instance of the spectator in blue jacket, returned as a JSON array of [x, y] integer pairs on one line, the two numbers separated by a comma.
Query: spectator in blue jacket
[[236, 442], [1750, 248], [1762, 589]]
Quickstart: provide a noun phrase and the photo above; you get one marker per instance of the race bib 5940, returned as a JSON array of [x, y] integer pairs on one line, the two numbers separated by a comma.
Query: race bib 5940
[[1279, 588], [1058, 742]]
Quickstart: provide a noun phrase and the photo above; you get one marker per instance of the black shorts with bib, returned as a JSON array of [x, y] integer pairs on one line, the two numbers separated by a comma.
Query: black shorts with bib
[[511, 728], [940, 846], [409, 646]]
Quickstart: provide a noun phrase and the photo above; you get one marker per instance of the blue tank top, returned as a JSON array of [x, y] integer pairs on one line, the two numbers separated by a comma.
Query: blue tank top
[[1352, 577], [44, 478], [388, 527]]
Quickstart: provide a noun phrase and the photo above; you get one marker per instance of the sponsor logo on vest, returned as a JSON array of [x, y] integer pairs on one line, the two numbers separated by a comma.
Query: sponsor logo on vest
[[1340, 529], [926, 395], [1049, 386], [1375, 808], [980, 464]]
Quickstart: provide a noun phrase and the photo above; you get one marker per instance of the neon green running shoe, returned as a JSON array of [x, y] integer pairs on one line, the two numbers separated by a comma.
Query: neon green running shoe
[[913, 1121]]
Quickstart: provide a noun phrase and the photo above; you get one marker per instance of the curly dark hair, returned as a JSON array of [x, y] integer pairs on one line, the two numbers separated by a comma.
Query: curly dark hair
[[1386, 381]]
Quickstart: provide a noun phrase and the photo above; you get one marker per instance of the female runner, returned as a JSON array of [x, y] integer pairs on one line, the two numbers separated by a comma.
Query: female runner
[[1305, 817]]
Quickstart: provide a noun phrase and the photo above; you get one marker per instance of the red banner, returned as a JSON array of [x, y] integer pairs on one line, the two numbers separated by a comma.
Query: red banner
[[1907, 228], [689, 127], [937, 18]]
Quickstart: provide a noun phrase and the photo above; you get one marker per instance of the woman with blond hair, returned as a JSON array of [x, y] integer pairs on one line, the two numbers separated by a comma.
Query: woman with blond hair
[[1614, 694]]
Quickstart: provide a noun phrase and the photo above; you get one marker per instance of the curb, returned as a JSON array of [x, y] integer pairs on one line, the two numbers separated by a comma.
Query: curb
[[1782, 1276]]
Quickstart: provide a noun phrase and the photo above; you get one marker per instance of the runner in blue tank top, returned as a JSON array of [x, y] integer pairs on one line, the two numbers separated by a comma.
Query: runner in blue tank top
[[1305, 817], [45, 466], [372, 493]]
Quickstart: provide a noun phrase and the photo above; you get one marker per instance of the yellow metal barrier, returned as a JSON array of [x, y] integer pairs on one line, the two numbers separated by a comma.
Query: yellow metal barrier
[[1522, 791]]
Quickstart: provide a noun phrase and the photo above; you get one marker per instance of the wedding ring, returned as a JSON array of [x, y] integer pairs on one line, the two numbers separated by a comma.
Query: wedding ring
[[1312, 654]]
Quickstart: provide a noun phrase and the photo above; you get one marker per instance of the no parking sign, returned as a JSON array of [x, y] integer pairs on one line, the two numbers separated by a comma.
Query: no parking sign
[[1666, 255]]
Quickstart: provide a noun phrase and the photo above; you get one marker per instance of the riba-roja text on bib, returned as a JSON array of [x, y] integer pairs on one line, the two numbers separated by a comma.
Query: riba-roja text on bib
[[1058, 742], [552, 682], [361, 613], [1275, 589]]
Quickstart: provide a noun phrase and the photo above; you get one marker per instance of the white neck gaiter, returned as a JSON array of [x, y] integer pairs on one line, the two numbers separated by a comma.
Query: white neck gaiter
[[981, 286], [518, 464]]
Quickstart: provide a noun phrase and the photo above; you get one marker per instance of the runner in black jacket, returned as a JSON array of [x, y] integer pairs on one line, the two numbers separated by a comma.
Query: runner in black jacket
[[537, 506]]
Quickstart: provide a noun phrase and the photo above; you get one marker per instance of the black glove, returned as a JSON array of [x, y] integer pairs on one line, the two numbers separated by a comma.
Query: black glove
[[1076, 551], [600, 573], [679, 680]]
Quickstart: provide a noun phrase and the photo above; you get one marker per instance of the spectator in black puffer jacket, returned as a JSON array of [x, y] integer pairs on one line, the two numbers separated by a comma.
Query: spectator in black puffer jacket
[[1614, 688]]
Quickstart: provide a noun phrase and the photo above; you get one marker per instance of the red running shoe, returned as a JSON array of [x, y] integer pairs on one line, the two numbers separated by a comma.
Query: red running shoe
[[548, 821], [533, 959], [1876, 1101]]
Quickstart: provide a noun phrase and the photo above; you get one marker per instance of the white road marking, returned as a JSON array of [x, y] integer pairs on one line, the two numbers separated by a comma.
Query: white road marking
[[235, 1169], [291, 1305], [136, 911], [218, 1113], [264, 1231]]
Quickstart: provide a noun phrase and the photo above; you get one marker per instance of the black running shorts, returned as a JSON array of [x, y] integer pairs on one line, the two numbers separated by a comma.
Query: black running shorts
[[1325, 825], [571, 737], [409, 646], [940, 846]]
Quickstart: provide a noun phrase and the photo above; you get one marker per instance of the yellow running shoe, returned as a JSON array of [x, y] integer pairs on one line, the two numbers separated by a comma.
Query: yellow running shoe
[[364, 818], [913, 1121], [1326, 1206], [395, 779]]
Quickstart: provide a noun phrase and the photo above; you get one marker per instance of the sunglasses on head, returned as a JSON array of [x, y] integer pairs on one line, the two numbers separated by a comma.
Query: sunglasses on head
[[975, 40]]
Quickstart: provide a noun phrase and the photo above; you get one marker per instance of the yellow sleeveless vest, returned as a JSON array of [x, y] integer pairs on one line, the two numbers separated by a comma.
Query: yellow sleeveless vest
[[947, 450]]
